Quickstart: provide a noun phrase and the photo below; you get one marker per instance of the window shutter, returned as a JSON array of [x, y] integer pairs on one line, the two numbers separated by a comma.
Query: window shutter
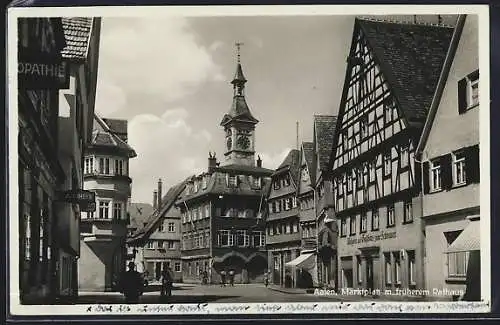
[[462, 96], [425, 175], [472, 171], [446, 172]]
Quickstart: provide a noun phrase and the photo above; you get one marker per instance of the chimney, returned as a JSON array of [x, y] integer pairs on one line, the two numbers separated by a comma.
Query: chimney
[[159, 193], [155, 199], [212, 162], [259, 161]]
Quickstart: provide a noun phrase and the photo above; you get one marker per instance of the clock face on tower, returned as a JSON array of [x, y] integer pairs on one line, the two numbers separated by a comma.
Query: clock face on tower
[[229, 143], [243, 142]]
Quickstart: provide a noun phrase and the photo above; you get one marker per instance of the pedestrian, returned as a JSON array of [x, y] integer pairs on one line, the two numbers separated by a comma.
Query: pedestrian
[[166, 282], [266, 279], [231, 277], [132, 285], [205, 278], [222, 278]]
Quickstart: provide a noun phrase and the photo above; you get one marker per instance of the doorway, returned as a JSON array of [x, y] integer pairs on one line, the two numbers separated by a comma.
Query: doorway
[[157, 270], [369, 273]]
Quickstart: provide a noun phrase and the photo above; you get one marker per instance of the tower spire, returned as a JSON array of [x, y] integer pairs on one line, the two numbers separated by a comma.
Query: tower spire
[[238, 51]]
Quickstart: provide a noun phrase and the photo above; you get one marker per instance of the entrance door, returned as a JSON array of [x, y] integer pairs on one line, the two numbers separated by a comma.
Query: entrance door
[[369, 273]]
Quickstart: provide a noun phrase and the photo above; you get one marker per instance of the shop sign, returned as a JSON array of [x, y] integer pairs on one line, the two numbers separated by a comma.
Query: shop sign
[[85, 199], [87, 206], [366, 238], [42, 73]]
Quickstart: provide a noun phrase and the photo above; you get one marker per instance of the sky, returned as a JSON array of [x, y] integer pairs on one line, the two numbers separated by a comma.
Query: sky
[[170, 78]]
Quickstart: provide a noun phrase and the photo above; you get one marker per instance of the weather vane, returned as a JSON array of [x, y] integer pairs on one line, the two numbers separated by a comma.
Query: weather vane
[[238, 49]]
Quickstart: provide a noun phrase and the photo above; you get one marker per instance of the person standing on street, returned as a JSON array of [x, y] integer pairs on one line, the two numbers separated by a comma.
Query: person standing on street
[[132, 285], [166, 283], [223, 278]]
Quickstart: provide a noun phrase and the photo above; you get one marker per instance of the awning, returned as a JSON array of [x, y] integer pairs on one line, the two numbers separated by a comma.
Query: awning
[[468, 240], [304, 261]]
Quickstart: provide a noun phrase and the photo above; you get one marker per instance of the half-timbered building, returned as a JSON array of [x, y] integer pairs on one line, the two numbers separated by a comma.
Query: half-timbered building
[[449, 150], [391, 76], [323, 134], [156, 244], [222, 225], [283, 238]]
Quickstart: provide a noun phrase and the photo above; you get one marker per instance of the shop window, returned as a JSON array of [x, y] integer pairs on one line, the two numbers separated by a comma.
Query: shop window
[[388, 269], [411, 268], [459, 168], [457, 264], [408, 212]]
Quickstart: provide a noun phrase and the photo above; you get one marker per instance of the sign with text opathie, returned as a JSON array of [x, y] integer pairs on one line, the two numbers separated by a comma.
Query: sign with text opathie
[[42, 73]]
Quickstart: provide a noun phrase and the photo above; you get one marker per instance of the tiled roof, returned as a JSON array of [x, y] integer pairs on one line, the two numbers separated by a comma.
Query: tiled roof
[[411, 58], [324, 126], [292, 162], [102, 136], [244, 169], [139, 213], [77, 31], [167, 203], [115, 125]]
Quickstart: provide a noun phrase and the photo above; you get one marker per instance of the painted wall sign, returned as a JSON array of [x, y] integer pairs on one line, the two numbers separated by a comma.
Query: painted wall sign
[[366, 238], [40, 73]]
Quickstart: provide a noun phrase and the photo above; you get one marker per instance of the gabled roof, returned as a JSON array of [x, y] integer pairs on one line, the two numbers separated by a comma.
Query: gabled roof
[[324, 129], [139, 213], [411, 57], [441, 83], [291, 163], [77, 31], [153, 221], [103, 136]]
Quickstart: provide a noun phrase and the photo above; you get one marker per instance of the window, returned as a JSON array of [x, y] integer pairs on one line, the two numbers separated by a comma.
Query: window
[[408, 213], [397, 268], [390, 216], [171, 227], [387, 164], [352, 225], [287, 204], [343, 227], [89, 165], [371, 171], [104, 166], [294, 202], [435, 175], [295, 227], [411, 268], [207, 211], [363, 127], [468, 92], [225, 238], [364, 222], [340, 187], [242, 239], [359, 177], [204, 183], [277, 185], [388, 269], [177, 266], [119, 167], [103, 209], [345, 141], [149, 245], [458, 168], [349, 183], [404, 156], [288, 228], [257, 182], [232, 181], [117, 211], [457, 264], [270, 230], [287, 181], [161, 227]]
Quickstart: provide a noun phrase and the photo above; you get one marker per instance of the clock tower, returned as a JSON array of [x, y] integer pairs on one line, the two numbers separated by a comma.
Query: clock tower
[[239, 124]]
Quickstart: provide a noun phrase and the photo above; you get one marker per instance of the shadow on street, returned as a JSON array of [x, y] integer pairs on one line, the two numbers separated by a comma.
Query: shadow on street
[[152, 299]]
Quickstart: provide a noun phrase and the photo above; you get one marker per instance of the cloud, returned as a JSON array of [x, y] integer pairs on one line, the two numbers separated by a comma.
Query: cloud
[[273, 160], [166, 148], [153, 56]]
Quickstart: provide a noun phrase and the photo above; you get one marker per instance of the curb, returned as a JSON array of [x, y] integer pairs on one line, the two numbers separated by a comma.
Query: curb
[[287, 292]]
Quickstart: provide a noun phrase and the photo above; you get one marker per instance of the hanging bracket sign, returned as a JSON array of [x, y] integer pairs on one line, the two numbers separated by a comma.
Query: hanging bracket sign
[[85, 199]]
